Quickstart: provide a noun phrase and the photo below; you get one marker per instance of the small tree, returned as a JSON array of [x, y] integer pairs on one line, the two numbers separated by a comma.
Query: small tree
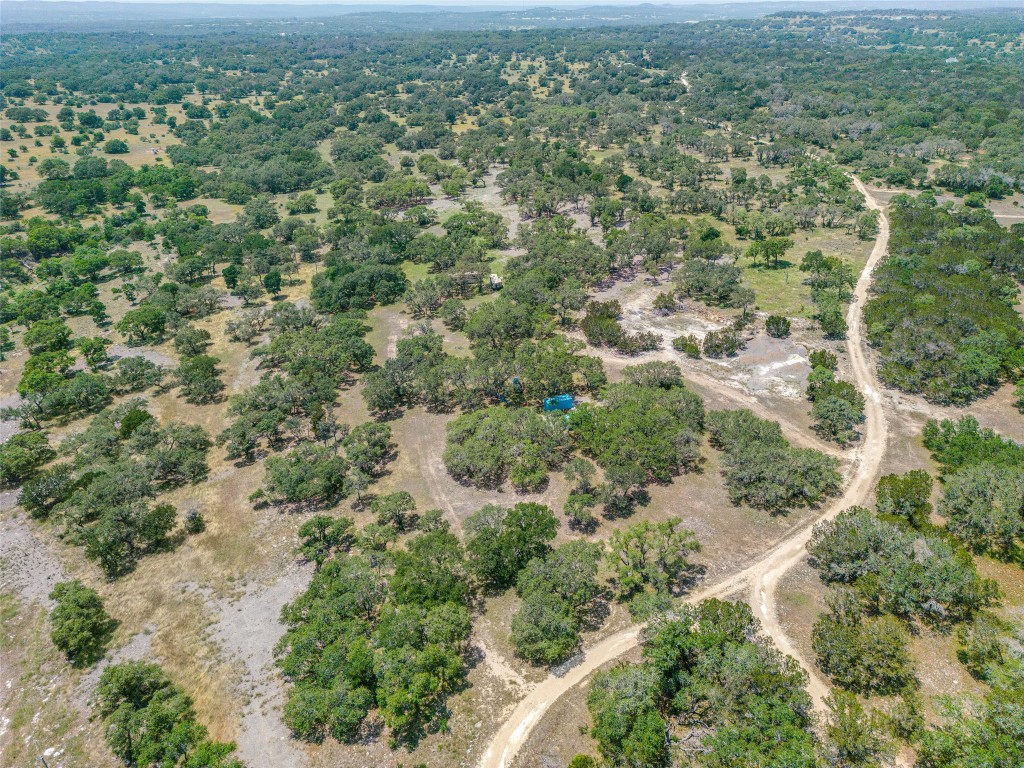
[[22, 455], [770, 250], [855, 738], [94, 350], [394, 509], [867, 225], [322, 535], [272, 282], [199, 379], [822, 358], [261, 212], [865, 655], [651, 555], [830, 317], [836, 418], [190, 341], [80, 626], [543, 629], [665, 303], [688, 345], [230, 274], [500, 542], [724, 343], [905, 496]]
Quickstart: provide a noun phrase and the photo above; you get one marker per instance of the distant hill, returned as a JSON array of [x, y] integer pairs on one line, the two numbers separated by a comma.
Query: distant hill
[[36, 14]]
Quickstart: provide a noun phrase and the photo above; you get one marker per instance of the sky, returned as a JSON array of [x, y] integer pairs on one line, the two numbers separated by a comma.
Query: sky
[[483, 4]]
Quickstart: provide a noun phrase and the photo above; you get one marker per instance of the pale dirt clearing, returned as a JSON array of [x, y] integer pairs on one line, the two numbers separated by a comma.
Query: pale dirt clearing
[[729, 393], [247, 630], [29, 567]]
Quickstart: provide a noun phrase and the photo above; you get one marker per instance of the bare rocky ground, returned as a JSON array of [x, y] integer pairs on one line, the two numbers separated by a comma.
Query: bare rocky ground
[[765, 366], [42, 712], [247, 630], [29, 565], [118, 351]]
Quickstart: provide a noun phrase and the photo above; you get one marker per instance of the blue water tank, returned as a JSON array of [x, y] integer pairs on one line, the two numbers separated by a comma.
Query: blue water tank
[[558, 403]]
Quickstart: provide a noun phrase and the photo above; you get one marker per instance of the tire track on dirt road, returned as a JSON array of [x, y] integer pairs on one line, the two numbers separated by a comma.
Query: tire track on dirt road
[[765, 577], [759, 579]]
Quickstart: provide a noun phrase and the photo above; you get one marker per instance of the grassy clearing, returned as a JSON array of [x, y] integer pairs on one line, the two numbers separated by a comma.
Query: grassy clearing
[[781, 291], [415, 272]]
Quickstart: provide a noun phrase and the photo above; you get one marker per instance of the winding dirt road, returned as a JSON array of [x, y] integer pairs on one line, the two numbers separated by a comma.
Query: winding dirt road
[[759, 579]]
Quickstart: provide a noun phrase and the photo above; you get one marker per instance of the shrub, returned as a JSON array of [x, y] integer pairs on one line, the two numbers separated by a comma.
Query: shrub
[[778, 327], [634, 344], [822, 358], [724, 343], [601, 323], [665, 302], [195, 522], [983, 644], [688, 345]]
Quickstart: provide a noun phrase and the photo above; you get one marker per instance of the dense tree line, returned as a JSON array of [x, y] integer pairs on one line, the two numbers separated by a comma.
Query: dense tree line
[[943, 314], [383, 631], [983, 486], [763, 470], [694, 698]]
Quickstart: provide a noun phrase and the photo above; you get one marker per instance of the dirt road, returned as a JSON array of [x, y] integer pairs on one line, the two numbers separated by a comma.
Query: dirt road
[[765, 576], [762, 577]]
